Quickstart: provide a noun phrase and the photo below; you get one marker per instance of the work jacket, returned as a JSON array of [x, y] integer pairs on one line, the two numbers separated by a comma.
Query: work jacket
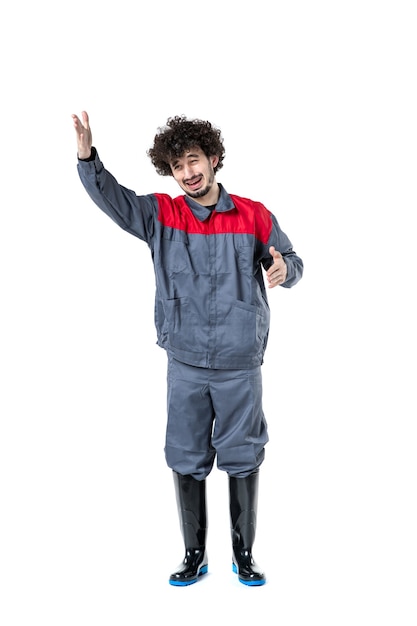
[[211, 307]]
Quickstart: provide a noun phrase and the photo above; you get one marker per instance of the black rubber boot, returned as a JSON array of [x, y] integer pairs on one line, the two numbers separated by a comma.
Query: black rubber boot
[[243, 494], [191, 501]]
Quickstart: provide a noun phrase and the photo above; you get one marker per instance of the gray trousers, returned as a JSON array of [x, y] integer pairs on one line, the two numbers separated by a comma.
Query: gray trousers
[[214, 413]]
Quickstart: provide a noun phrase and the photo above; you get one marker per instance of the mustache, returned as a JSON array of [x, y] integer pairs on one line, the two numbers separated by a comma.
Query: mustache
[[193, 178]]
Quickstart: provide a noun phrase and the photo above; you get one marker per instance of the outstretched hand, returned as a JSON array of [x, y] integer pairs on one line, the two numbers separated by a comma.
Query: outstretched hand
[[277, 273], [84, 136]]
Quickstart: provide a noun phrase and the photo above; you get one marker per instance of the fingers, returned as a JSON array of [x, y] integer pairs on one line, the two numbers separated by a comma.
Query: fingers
[[86, 120], [278, 278], [81, 125]]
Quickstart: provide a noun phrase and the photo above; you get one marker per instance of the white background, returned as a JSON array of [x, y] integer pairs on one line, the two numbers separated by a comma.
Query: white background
[[317, 105]]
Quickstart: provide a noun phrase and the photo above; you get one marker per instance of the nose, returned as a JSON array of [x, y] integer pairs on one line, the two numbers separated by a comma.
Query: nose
[[188, 172]]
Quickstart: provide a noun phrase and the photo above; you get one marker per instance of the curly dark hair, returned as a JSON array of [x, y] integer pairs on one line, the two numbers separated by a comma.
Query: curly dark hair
[[179, 135]]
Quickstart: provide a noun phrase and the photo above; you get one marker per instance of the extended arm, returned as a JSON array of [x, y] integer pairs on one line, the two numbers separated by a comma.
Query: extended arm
[[133, 213]]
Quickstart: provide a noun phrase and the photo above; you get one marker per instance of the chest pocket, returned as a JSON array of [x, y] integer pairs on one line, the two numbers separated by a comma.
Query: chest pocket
[[245, 260], [174, 251]]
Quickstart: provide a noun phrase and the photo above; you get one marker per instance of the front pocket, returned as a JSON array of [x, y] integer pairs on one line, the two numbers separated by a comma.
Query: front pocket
[[237, 335], [181, 323]]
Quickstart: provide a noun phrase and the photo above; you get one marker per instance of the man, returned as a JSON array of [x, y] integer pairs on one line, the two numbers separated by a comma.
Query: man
[[211, 251]]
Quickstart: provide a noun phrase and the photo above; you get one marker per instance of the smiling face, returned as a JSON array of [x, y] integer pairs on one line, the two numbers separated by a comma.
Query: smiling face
[[194, 172]]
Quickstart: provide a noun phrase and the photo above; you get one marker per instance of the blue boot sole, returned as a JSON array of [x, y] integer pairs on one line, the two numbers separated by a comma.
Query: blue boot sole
[[187, 583], [248, 583]]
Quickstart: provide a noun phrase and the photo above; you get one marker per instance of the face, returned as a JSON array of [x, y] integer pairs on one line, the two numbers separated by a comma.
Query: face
[[194, 172]]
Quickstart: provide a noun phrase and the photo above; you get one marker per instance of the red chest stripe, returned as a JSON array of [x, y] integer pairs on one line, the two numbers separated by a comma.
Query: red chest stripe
[[247, 217]]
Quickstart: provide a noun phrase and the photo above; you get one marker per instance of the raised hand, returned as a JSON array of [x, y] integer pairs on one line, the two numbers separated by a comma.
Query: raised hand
[[84, 136]]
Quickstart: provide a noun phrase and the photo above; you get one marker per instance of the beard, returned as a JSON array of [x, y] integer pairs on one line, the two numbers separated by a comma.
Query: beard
[[203, 192]]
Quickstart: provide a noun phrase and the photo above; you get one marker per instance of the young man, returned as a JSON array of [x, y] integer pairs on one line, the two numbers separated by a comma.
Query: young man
[[210, 251]]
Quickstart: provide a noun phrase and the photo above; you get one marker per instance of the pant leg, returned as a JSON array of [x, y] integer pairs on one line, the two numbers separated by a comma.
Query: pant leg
[[188, 448], [240, 431]]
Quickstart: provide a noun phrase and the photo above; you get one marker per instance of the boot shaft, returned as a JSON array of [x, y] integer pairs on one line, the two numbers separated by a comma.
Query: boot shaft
[[243, 498], [191, 503]]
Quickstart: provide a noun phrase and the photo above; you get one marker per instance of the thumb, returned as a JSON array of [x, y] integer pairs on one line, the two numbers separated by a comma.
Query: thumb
[[274, 253]]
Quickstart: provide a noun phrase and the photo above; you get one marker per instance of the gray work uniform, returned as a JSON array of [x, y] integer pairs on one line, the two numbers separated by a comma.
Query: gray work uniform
[[211, 314]]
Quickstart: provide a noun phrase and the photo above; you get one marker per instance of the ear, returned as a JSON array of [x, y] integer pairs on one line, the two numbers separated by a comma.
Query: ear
[[214, 160]]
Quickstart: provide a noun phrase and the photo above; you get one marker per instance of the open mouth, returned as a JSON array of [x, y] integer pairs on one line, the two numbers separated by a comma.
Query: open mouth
[[194, 183]]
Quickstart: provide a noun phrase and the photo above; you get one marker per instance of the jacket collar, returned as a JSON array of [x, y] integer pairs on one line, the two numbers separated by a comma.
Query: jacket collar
[[201, 212]]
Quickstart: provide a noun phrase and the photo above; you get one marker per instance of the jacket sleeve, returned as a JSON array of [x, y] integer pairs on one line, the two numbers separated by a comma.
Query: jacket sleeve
[[280, 241], [135, 214]]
